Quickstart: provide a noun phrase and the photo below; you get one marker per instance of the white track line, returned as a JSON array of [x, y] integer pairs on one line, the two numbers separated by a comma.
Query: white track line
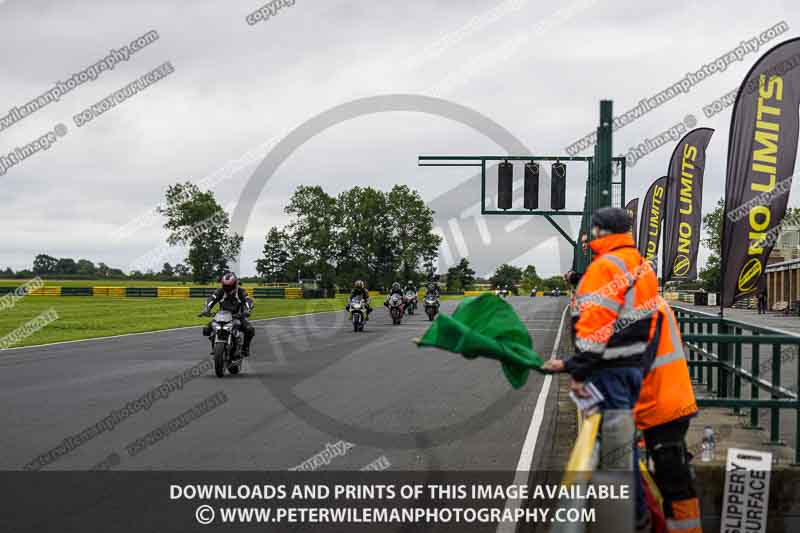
[[529, 446], [151, 332]]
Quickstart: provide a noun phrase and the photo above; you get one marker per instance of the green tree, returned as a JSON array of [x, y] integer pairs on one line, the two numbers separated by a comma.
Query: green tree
[[182, 271], [554, 282], [103, 270], [313, 232], [274, 261], [413, 230], [66, 265], [506, 276], [530, 279], [86, 268], [363, 233], [196, 220], [460, 277], [711, 273], [364, 246], [167, 270], [44, 264]]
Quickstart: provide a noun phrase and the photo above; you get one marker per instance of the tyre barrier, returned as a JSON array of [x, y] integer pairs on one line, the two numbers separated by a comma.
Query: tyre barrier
[[258, 292], [77, 291]]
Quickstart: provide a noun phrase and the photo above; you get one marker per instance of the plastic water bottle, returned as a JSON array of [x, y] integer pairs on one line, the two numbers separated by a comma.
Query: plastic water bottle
[[708, 445]]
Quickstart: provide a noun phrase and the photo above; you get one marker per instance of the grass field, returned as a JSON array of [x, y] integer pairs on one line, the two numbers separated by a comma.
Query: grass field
[[89, 317]]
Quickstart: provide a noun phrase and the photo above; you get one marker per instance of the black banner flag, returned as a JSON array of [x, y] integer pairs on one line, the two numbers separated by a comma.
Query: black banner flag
[[652, 215], [632, 208], [684, 202], [762, 148]]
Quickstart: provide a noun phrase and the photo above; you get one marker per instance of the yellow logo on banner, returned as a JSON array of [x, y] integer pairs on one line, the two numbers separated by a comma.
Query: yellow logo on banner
[[748, 275], [681, 266]]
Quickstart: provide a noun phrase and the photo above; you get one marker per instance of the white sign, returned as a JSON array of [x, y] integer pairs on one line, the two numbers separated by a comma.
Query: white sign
[[712, 299], [746, 496]]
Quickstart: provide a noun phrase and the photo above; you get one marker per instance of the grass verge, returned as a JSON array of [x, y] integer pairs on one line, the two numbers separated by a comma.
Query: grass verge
[[91, 317]]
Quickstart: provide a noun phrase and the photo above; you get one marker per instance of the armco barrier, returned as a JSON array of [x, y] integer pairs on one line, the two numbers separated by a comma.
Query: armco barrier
[[268, 292], [173, 292], [141, 292], [293, 293], [476, 293], [313, 293], [201, 292], [114, 292], [76, 291], [170, 292], [46, 291]]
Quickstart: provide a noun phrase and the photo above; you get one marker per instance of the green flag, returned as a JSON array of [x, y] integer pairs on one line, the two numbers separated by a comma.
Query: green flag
[[486, 326]]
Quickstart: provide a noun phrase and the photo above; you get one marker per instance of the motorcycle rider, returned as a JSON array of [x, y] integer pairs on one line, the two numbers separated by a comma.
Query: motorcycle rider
[[360, 290], [396, 289], [231, 297], [410, 287], [432, 290]]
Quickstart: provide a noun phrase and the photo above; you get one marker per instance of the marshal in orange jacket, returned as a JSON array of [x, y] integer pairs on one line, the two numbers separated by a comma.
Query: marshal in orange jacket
[[615, 308], [667, 392]]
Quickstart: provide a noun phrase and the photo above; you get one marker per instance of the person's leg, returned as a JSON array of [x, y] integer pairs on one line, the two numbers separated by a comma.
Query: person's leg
[[249, 332], [666, 444]]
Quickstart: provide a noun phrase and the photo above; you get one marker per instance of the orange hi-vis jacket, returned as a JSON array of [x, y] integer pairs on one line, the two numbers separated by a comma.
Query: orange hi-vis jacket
[[667, 392], [615, 305]]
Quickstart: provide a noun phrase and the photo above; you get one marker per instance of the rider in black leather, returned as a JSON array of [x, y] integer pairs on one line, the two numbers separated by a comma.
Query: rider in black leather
[[231, 297], [360, 289], [396, 289], [432, 289]]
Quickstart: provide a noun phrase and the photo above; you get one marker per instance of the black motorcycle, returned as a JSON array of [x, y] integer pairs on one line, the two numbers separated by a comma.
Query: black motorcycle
[[431, 306], [227, 338], [358, 313]]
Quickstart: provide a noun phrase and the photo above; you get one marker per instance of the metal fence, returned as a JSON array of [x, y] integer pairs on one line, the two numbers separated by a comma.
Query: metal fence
[[716, 349]]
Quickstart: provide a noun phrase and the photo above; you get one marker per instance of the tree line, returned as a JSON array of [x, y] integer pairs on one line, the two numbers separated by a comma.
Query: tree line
[[361, 233]]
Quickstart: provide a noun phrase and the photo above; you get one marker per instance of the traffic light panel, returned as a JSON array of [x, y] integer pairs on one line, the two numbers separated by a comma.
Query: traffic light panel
[[531, 185], [558, 186], [505, 184]]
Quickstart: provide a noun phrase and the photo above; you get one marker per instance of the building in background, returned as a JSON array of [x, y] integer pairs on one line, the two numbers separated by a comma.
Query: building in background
[[783, 270]]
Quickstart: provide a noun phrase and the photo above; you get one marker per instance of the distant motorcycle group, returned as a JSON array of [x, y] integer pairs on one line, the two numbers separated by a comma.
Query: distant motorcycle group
[[230, 333], [399, 303]]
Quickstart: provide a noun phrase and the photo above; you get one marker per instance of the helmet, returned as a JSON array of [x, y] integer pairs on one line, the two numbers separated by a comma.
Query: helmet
[[229, 283], [359, 284], [612, 219], [395, 285]]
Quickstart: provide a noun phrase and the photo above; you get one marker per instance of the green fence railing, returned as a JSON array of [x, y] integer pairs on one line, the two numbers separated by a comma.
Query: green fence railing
[[716, 348]]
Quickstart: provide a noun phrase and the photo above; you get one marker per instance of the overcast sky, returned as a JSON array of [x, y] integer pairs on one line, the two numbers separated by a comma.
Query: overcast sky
[[537, 69]]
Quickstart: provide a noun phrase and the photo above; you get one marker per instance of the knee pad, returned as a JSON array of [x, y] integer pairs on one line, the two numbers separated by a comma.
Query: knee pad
[[206, 331], [674, 475]]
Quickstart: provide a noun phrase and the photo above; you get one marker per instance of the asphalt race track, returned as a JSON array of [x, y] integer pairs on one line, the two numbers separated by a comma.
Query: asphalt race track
[[313, 388]]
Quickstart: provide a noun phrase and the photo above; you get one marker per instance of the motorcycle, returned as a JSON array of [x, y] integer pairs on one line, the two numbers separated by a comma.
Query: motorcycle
[[226, 339], [358, 313], [431, 306], [396, 308], [411, 302]]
